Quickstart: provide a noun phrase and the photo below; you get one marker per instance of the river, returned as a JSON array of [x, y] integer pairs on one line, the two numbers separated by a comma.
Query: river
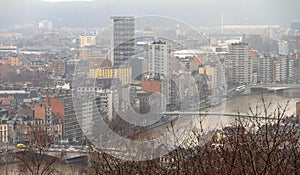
[[242, 104]]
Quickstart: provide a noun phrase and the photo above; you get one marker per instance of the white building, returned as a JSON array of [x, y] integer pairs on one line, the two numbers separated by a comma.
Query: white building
[[107, 100], [87, 41], [265, 69], [291, 71], [239, 64], [86, 119], [159, 67], [159, 59], [280, 69], [285, 48], [46, 25]]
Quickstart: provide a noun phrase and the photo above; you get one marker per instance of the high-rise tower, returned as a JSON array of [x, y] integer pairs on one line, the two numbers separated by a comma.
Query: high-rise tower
[[122, 39], [159, 68], [159, 59], [239, 64]]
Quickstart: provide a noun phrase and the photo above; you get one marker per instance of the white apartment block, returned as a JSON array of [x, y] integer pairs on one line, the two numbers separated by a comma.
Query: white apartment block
[[159, 61], [239, 64], [265, 69]]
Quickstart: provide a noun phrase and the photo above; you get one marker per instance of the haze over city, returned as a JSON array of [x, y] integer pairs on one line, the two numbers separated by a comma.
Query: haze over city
[[93, 13], [149, 87]]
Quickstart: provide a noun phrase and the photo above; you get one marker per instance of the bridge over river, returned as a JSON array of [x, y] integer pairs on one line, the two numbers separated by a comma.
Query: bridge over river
[[273, 88], [199, 114]]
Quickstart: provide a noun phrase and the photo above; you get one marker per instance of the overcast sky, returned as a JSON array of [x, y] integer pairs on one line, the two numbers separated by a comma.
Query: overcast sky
[[91, 13]]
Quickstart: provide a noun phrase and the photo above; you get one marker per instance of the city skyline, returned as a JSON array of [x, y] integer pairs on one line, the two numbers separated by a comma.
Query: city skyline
[[201, 13], [142, 88]]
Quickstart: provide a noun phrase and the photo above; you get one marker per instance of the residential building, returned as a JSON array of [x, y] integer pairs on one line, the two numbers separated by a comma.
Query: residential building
[[290, 70], [20, 96], [12, 61], [3, 134], [280, 69], [159, 59], [239, 64], [286, 47], [87, 41], [58, 68], [264, 71]]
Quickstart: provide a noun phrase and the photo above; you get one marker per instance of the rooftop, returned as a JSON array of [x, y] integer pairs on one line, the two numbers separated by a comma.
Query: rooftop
[[13, 92]]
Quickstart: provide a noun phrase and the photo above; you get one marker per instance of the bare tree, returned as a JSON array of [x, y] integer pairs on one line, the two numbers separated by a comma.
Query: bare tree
[[265, 143], [34, 160]]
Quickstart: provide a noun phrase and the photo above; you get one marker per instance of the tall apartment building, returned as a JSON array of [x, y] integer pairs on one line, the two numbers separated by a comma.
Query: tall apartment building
[[159, 67], [297, 70], [159, 59], [280, 69], [290, 70], [239, 64], [122, 39], [264, 71]]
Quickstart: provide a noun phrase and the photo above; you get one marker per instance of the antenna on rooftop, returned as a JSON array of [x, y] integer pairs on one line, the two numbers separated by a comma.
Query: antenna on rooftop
[[222, 23]]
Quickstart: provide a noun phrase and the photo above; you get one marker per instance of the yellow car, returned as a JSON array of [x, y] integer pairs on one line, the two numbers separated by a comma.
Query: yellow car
[[21, 146]]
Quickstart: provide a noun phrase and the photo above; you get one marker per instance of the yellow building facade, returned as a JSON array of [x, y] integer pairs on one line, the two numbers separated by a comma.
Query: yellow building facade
[[123, 73], [14, 61]]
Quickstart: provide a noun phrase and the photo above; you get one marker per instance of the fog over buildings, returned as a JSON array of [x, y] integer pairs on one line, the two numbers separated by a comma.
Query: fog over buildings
[[91, 13], [140, 80]]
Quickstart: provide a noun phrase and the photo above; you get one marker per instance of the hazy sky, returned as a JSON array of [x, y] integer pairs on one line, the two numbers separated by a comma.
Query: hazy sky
[[91, 13]]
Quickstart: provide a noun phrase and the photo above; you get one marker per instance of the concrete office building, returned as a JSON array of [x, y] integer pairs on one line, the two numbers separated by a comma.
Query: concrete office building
[[122, 39]]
